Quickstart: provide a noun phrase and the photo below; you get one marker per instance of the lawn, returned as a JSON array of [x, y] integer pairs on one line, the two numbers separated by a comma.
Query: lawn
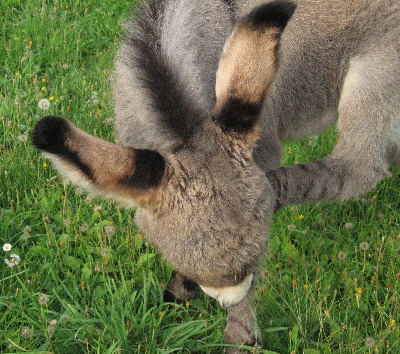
[[81, 278]]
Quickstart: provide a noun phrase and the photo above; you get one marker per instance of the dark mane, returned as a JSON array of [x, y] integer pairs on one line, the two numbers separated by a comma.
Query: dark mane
[[169, 96]]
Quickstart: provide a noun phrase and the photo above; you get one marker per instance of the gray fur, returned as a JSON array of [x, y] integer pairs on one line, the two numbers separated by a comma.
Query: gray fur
[[339, 63]]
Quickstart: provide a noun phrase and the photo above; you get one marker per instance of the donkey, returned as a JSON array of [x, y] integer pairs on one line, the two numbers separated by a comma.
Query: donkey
[[205, 93]]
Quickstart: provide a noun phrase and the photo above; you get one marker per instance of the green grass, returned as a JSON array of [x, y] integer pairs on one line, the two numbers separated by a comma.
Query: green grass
[[329, 283]]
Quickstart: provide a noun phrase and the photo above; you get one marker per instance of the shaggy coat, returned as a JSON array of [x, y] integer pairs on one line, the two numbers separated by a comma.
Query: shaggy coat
[[205, 94]]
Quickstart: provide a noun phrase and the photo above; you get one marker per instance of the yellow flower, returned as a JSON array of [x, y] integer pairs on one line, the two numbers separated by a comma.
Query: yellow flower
[[358, 293], [306, 286], [301, 217], [392, 322], [51, 98], [187, 303], [45, 165]]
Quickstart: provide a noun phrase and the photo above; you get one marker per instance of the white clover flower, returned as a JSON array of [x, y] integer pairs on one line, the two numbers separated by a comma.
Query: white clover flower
[[44, 104], [7, 247], [13, 260]]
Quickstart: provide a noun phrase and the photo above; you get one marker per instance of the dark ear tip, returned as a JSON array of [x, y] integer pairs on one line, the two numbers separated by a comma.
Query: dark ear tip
[[49, 134], [238, 116], [276, 13]]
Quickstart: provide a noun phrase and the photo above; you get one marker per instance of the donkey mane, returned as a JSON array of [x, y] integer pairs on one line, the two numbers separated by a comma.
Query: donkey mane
[[169, 96]]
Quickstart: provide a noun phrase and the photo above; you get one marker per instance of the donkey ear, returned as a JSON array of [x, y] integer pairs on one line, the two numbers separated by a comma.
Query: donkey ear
[[128, 175], [248, 65]]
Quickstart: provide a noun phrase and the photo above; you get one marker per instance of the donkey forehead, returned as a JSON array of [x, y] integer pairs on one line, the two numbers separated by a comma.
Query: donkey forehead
[[210, 166]]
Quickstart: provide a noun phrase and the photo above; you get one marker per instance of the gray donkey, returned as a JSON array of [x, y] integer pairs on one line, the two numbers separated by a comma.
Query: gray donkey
[[205, 93]]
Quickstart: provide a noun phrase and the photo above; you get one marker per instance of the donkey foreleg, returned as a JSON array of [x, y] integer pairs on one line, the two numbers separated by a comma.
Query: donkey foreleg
[[368, 109], [326, 179], [241, 328]]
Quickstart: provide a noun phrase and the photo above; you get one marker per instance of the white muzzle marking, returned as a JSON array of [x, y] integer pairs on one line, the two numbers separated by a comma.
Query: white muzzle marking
[[230, 295]]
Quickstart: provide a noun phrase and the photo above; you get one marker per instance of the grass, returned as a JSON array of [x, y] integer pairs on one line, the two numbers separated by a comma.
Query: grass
[[88, 282]]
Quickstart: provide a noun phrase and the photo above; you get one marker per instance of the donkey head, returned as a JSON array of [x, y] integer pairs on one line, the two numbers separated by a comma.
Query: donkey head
[[204, 203]]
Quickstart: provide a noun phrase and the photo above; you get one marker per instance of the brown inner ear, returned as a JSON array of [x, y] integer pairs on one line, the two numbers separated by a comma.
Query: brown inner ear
[[124, 173], [248, 66], [148, 172], [245, 72]]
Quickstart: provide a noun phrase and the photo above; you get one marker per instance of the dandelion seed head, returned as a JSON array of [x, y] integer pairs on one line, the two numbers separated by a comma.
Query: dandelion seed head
[[43, 299], [23, 138], [13, 261], [53, 322], [88, 200], [50, 330], [364, 246], [291, 227], [27, 229], [7, 247], [97, 208], [84, 227], [44, 104], [105, 252], [341, 255], [370, 342], [109, 230], [348, 225], [26, 332]]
